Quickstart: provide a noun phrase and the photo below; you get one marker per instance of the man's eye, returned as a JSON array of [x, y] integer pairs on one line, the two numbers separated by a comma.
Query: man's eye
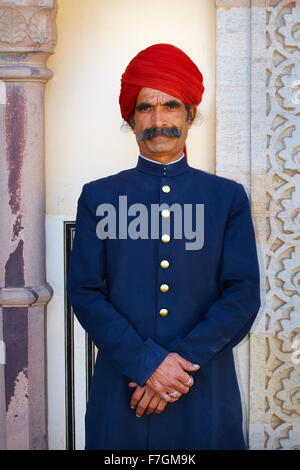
[[143, 108]]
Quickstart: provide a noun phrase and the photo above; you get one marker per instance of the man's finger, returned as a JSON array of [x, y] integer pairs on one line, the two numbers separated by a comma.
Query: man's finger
[[179, 387], [143, 403], [153, 404], [157, 405], [188, 380], [166, 397], [136, 396], [187, 365], [160, 406]]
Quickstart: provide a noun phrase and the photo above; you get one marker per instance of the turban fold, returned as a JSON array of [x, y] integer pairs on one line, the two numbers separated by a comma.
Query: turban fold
[[163, 67]]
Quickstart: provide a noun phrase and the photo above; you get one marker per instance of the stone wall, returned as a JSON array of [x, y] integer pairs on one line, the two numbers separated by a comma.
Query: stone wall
[[258, 144]]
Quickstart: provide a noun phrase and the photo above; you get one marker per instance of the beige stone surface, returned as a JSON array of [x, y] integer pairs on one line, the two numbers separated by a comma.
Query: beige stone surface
[[266, 159], [27, 38]]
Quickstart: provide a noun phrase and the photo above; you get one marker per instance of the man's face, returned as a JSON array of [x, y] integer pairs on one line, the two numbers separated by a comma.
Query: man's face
[[156, 110]]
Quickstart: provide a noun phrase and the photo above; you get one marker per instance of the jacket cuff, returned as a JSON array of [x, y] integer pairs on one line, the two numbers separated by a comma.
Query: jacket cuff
[[156, 354]]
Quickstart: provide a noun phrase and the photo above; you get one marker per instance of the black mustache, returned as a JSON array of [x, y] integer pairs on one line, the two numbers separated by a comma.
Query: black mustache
[[148, 134]]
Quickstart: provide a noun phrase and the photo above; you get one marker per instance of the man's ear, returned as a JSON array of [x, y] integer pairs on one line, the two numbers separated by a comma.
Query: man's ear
[[131, 122], [193, 111]]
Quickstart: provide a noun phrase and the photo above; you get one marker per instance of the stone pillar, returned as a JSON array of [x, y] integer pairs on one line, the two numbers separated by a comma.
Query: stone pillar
[[27, 38], [258, 144]]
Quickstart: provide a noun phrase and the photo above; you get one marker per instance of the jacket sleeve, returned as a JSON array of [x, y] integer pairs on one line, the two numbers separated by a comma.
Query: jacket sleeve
[[87, 291], [230, 317]]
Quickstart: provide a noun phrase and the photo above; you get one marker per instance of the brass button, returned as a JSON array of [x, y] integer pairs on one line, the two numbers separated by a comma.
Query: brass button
[[164, 312], [166, 188], [165, 213], [165, 238], [164, 288], [164, 263]]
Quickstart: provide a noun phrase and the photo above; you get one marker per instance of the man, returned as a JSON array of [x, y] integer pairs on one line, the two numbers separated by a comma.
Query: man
[[163, 311]]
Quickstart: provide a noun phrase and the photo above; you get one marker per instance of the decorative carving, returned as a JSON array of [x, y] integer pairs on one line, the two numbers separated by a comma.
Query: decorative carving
[[41, 27], [282, 389], [27, 37], [27, 27], [13, 28]]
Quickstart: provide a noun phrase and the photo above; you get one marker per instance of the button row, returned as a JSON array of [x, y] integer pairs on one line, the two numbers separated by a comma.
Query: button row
[[165, 263]]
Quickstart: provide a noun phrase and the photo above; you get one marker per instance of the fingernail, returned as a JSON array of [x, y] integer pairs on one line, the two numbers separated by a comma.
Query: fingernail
[[196, 365], [132, 407], [130, 383], [138, 416]]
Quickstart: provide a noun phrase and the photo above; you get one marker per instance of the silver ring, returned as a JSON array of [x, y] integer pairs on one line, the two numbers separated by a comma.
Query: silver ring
[[188, 381], [166, 395], [173, 394]]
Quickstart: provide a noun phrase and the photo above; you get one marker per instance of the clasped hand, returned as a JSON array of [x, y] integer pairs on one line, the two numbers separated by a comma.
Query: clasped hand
[[170, 376]]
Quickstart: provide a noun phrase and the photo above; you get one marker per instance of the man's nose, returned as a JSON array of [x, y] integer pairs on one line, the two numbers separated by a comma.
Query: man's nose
[[158, 117]]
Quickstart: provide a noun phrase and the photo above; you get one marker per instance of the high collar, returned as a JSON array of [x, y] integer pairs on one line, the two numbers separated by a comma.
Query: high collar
[[153, 168]]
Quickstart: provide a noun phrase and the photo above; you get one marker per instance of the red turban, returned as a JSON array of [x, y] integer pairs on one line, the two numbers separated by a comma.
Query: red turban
[[163, 67]]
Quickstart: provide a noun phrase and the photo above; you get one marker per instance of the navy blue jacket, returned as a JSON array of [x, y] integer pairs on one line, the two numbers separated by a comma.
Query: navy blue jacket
[[214, 296]]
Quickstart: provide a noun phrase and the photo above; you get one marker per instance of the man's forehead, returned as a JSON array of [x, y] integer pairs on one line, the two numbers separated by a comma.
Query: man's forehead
[[151, 95]]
